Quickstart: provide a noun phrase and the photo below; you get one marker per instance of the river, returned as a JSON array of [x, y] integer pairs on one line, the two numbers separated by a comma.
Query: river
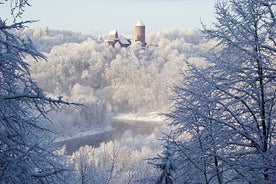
[[119, 128]]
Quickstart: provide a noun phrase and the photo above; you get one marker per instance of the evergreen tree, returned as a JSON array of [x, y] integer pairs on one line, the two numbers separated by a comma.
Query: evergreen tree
[[165, 163]]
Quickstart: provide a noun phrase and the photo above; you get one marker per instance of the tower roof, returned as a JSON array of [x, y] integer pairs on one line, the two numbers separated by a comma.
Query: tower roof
[[140, 23]]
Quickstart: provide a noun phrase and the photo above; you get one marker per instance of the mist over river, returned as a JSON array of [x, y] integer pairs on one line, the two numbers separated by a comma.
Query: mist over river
[[143, 128]]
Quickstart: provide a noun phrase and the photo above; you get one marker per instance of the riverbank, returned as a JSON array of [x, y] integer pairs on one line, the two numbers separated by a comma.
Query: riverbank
[[148, 117], [94, 131], [127, 131], [152, 117]]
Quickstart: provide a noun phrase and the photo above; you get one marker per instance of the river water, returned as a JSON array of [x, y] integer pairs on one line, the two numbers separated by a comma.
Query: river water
[[119, 128]]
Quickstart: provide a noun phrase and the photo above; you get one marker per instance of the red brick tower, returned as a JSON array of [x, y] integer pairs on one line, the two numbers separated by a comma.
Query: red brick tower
[[140, 33]]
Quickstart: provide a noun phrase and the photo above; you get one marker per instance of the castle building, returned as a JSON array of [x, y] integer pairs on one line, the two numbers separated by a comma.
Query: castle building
[[139, 35], [113, 38]]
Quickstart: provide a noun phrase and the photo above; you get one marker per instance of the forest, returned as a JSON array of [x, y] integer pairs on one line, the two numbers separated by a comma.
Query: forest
[[109, 80], [214, 87]]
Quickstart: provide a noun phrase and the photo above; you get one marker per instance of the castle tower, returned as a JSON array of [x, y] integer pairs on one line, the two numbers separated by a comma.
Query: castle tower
[[140, 33]]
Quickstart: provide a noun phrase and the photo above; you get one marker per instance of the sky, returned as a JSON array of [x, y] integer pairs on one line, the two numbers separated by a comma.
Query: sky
[[102, 16]]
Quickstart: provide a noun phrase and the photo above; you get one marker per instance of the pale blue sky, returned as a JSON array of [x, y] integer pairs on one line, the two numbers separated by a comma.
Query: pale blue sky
[[101, 16]]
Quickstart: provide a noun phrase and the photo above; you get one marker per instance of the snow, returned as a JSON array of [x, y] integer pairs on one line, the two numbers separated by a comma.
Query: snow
[[149, 117], [124, 41], [140, 23], [110, 40], [112, 32]]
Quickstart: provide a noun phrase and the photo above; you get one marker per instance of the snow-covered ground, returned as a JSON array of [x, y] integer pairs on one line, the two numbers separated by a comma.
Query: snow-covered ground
[[149, 117]]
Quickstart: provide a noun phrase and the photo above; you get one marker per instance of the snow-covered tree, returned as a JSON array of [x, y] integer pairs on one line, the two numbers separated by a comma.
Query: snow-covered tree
[[26, 153], [85, 168], [225, 113], [198, 140], [165, 162], [244, 76]]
